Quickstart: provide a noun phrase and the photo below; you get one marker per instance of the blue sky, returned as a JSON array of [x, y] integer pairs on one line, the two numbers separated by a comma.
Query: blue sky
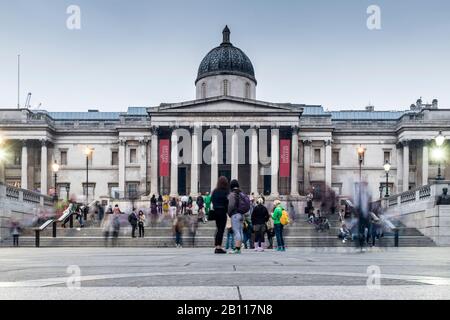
[[142, 53]]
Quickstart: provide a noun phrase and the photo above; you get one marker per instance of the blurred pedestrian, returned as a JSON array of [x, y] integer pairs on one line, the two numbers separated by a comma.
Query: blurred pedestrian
[[15, 230], [141, 223], [133, 220], [238, 206], [219, 199], [278, 227], [178, 226], [260, 217]]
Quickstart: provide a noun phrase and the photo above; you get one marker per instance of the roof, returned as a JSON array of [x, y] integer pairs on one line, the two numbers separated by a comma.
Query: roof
[[353, 114], [96, 115]]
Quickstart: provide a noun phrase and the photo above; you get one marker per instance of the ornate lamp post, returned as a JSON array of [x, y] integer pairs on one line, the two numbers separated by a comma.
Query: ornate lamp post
[[55, 168], [380, 188], [361, 152], [88, 152], [439, 153], [387, 168]]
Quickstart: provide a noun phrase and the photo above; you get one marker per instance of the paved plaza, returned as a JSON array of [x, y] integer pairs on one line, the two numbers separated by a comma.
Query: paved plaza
[[300, 273]]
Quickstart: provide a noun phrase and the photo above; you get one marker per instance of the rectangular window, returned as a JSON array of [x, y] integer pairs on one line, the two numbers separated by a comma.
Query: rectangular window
[[17, 157], [91, 191], [335, 158], [387, 157], [63, 155], [133, 157], [113, 190], [317, 156], [114, 158], [132, 190]]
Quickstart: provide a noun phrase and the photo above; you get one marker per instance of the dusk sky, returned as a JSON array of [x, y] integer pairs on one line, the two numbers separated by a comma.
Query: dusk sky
[[143, 53]]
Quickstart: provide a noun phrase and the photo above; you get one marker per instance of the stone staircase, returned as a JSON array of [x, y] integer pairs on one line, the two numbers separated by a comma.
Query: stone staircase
[[299, 234]]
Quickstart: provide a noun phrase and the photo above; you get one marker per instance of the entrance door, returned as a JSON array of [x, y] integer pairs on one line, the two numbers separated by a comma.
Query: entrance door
[[182, 181], [267, 185], [226, 173]]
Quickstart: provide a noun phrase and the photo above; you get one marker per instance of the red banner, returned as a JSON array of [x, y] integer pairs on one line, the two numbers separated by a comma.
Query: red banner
[[285, 158], [164, 157]]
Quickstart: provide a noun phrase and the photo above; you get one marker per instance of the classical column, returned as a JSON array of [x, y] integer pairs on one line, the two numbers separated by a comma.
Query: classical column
[[196, 156], [44, 167], [24, 168], [143, 143], [275, 160], [214, 158], [122, 161], [328, 164], [399, 168], [425, 163], [254, 161], [294, 162], [154, 162], [174, 163], [306, 164], [405, 165], [235, 154]]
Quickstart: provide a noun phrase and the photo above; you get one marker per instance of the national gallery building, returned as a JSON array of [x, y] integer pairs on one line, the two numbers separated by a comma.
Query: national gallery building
[[279, 149]]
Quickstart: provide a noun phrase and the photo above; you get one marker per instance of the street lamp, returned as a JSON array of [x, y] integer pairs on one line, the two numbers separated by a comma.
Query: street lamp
[[361, 152], [88, 152], [380, 188], [55, 168], [387, 168], [438, 153]]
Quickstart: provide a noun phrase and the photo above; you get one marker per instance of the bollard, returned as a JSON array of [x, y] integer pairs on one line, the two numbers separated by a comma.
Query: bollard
[[54, 229], [396, 238], [71, 221], [38, 233]]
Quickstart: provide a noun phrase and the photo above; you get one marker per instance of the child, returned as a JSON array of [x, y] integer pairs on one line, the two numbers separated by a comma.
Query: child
[[230, 236]]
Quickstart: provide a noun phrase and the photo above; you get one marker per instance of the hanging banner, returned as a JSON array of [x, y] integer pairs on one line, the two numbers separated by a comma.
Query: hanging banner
[[164, 157], [285, 158]]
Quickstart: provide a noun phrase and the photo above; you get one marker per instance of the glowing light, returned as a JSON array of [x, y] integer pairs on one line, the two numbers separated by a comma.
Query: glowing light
[[360, 150], [87, 151], [55, 167], [440, 139], [438, 154], [387, 166], [2, 155]]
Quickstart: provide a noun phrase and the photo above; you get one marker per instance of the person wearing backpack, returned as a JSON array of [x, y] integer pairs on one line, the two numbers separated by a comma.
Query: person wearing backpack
[[278, 226], [133, 220], [260, 216], [238, 205]]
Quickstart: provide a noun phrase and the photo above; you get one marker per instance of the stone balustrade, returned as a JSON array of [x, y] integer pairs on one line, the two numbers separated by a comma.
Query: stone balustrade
[[417, 208], [20, 204]]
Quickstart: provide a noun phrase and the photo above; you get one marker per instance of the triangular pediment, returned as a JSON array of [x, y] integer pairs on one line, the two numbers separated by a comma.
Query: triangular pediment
[[228, 105]]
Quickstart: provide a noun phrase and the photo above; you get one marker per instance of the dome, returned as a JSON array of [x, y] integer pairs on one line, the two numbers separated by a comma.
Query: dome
[[226, 59]]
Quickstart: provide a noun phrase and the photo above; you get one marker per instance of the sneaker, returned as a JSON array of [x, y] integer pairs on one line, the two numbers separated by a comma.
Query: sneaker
[[283, 249], [219, 251], [235, 251]]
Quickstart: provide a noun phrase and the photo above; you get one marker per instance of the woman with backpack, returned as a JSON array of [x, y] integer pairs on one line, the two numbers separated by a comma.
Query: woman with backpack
[[219, 200], [238, 205], [278, 226]]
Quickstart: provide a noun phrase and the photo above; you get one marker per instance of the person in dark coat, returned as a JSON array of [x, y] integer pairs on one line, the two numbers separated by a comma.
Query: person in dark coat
[[260, 216], [133, 220], [219, 200]]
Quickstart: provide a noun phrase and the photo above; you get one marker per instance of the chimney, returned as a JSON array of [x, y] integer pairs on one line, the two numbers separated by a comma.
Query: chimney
[[370, 108], [419, 103], [434, 104]]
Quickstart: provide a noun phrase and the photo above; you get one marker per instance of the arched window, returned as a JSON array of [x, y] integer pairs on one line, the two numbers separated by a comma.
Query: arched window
[[247, 90], [203, 90], [225, 87]]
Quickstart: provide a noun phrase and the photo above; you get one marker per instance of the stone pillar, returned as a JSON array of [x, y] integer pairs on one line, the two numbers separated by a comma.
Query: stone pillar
[[44, 167], [328, 164], [195, 160], [306, 164], [275, 160], [235, 155], [24, 168], [405, 165], [143, 143], [425, 161], [399, 168], [294, 162], [214, 158], [154, 163], [174, 163], [254, 161], [122, 162]]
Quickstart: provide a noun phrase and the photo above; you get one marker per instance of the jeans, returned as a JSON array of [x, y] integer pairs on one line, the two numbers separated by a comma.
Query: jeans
[[133, 230], [15, 240], [178, 239], [141, 229], [279, 235], [236, 223], [230, 240], [221, 221]]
